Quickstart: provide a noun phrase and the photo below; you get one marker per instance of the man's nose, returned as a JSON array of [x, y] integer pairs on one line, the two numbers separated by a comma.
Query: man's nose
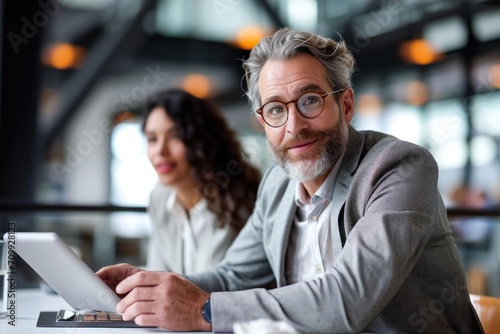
[[296, 122]]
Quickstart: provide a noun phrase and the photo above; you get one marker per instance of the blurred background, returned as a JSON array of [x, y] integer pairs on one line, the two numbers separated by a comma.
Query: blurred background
[[74, 74]]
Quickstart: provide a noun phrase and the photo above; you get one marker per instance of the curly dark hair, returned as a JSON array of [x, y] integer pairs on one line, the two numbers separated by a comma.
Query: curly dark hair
[[220, 167]]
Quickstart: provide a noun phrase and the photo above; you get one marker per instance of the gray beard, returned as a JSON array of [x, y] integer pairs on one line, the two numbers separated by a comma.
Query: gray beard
[[304, 170]]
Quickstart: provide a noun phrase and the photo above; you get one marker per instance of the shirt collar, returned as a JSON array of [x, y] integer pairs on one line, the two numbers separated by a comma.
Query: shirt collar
[[325, 191], [172, 200], [172, 195]]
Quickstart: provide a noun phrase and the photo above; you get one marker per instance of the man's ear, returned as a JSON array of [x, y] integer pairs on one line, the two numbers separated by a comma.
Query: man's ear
[[347, 104], [261, 120]]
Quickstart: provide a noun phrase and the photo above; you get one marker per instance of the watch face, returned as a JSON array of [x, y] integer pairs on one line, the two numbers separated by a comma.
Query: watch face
[[206, 311]]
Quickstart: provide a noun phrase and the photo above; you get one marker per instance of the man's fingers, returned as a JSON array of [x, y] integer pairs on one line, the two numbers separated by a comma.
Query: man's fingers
[[141, 278], [139, 287], [163, 300], [139, 308], [147, 320], [145, 313], [138, 294], [106, 273], [118, 271]]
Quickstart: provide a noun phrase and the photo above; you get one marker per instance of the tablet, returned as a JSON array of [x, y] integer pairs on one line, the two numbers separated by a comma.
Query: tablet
[[64, 271]]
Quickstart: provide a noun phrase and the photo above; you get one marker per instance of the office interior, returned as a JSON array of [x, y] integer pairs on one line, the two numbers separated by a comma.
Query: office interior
[[74, 75]]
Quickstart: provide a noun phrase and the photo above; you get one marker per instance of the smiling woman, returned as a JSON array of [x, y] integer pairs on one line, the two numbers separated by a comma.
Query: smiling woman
[[206, 188]]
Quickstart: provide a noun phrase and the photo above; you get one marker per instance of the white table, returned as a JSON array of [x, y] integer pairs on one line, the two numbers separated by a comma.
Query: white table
[[30, 302]]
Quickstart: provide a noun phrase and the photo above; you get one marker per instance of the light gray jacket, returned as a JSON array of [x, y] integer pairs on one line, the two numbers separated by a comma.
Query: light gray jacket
[[396, 266]]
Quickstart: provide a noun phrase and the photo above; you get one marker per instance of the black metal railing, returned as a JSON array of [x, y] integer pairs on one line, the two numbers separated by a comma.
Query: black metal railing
[[39, 207]]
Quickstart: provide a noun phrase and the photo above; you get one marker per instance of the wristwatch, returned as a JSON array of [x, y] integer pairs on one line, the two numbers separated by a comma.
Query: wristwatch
[[206, 311]]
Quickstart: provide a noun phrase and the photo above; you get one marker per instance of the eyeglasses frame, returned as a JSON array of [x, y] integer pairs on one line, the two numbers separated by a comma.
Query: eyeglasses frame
[[323, 95]]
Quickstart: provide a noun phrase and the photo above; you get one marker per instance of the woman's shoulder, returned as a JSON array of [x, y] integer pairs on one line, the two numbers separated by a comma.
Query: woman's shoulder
[[161, 190], [159, 195]]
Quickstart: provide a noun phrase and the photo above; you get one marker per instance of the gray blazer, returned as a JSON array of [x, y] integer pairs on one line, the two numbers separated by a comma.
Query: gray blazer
[[396, 267]]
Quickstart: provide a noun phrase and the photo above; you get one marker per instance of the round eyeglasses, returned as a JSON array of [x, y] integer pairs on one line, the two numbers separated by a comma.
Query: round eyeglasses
[[309, 105]]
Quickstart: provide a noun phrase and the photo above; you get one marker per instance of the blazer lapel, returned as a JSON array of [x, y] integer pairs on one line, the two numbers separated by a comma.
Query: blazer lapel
[[281, 231], [342, 185]]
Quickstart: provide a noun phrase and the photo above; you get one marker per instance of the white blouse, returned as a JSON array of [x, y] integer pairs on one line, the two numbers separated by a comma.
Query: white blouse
[[181, 243]]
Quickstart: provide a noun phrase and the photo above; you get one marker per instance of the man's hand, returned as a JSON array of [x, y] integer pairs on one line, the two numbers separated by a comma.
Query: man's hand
[[113, 275], [161, 299]]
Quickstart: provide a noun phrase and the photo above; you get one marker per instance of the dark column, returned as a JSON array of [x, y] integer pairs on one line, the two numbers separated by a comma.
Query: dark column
[[22, 23]]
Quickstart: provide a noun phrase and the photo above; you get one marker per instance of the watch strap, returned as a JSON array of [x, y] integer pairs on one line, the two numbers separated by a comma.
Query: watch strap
[[206, 311]]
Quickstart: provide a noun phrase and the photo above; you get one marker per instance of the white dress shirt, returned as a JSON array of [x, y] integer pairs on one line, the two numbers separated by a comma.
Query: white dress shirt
[[310, 251]]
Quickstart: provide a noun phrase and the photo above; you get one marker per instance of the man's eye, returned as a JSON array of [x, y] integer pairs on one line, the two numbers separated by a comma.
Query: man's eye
[[275, 110], [311, 100], [151, 139]]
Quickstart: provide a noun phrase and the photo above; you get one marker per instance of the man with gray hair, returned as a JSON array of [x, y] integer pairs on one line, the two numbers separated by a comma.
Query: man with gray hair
[[348, 226]]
